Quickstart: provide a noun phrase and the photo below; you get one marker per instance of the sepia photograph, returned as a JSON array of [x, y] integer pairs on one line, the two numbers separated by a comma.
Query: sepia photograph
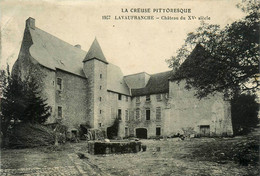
[[129, 88]]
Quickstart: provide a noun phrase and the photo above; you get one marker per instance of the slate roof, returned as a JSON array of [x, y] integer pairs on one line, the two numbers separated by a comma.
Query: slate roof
[[158, 83], [137, 80], [198, 52], [95, 52], [53, 53], [115, 80]]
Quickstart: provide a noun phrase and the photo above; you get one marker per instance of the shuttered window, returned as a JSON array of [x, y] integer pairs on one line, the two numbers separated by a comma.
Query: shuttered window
[[158, 113], [126, 115], [137, 114], [147, 114]]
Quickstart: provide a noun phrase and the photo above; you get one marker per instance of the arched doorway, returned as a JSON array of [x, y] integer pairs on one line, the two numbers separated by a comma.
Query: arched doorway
[[141, 133]]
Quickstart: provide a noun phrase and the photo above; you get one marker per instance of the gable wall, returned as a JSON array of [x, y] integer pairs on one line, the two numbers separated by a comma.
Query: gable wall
[[26, 65], [186, 111]]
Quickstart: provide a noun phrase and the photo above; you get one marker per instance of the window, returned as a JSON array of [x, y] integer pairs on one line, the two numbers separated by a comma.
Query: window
[[100, 124], [126, 131], [59, 112], [158, 131], [137, 114], [119, 114], [100, 76], [59, 83], [100, 111], [119, 97], [100, 98], [147, 114], [126, 98], [100, 87], [159, 97], [147, 98], [158, 113], [126, 115], [137, 99]]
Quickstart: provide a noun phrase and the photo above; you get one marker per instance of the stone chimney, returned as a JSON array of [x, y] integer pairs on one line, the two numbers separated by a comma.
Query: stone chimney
[[30, 22], [78, 46]]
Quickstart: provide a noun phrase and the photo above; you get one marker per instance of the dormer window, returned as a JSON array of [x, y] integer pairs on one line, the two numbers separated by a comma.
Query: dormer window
[[137, 99], [147, 98], [159, 97]]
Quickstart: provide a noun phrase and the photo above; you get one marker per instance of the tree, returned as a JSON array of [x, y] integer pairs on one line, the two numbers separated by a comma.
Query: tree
[[242, 106], [230, 57], [12, 105], [21, 101], [37, 110]]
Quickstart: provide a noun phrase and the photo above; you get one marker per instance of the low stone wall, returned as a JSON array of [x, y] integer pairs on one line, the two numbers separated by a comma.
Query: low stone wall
[[98, 147]]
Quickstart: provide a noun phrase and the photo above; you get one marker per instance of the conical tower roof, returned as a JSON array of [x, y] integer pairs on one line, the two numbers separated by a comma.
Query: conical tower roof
[[95, 52]]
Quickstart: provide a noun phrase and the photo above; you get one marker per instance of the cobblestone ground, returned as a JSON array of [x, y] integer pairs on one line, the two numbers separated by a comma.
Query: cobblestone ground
[[68, 170], [80, 167]]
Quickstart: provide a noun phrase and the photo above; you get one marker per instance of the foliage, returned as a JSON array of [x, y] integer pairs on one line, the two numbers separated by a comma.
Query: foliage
[[21, 102], [244, 151], [27, 135], [112, 131], [37, 110], [12, 105], [230, 58], [244, 110]]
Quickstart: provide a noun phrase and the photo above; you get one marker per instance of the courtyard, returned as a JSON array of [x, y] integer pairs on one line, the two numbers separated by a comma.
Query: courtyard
[[195, 156]]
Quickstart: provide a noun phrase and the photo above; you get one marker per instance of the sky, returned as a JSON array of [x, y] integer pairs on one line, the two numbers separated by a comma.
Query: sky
[[134, 45]]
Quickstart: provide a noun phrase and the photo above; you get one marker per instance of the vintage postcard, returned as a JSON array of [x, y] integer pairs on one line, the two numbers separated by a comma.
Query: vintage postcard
[[117, 87]]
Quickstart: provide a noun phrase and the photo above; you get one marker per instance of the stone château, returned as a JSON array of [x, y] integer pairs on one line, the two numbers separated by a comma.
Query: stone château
[[84, 88]]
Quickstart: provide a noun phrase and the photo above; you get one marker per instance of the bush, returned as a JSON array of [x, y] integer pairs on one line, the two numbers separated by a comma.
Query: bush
[[244, 110], [112, 131], [26, 135]]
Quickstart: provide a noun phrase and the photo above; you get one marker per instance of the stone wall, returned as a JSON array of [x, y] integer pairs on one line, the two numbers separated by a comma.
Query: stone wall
[[96, 73], [112, 111], [188, 112], [153, 123], [72, 98]]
